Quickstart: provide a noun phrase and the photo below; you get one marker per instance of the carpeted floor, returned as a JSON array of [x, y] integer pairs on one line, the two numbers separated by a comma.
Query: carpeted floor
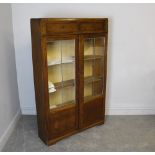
[[119, 133]]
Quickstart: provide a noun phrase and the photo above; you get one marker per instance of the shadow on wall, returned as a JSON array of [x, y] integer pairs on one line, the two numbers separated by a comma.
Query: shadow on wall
[[109, 64]]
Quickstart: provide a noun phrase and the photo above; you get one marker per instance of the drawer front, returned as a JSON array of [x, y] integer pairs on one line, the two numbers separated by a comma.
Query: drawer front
[[52, 28], [93, 27]]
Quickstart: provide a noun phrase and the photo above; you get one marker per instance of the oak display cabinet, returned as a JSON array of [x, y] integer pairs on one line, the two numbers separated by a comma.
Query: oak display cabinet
[[69, 64]]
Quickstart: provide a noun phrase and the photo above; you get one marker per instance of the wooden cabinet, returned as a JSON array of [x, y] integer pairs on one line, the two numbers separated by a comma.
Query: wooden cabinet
[[69, 64]]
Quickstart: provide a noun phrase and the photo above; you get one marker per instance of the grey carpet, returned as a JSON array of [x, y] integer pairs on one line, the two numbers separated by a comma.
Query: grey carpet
[[119, 133]]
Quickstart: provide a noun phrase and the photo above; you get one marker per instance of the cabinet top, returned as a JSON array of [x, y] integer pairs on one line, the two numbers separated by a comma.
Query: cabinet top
[[55, 26], [70, 19]]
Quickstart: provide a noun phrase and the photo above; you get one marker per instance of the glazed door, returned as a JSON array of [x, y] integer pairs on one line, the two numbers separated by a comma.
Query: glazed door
[[92, 79], [62, 85]]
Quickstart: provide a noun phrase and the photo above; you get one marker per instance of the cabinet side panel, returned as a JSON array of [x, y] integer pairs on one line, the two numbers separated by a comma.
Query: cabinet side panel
[[37, 56]]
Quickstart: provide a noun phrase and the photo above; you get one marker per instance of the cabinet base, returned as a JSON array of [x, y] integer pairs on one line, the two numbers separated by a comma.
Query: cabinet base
[[92, 125], [54, 141]]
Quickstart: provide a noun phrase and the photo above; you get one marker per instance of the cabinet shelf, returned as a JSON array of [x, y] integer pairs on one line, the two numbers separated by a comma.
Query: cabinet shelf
[[88, 98], [72, 60], [92, 57], [60, 106], [90, 79], [70, 83], [58, 62], [66, 83]]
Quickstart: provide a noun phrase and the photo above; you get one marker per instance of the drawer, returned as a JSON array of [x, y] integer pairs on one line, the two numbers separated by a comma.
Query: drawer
[[93, 27], [52, 28]]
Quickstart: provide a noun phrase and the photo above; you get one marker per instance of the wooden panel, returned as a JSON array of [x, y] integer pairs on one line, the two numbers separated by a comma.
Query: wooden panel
[[93, 27], [92, 108], [63, 121], [52, 28], [38, 68], [93, 111]]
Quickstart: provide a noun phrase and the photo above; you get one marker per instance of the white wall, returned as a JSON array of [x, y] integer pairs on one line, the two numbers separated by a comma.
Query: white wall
[[9, 100], [131, 54]]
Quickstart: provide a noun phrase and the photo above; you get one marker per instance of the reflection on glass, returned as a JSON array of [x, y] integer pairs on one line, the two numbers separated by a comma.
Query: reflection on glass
[[93, 67], [61, 72]]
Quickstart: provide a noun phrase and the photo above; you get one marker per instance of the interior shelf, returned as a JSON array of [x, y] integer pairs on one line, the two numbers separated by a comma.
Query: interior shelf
[[90, 79], [69, 103], [63, 61], [88, 98], [64, 83], [91, 57], [69, 83], [72, 59]]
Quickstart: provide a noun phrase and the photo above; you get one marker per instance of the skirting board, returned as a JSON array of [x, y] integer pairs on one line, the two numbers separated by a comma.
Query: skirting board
[[130, 111], [109, 111], [9, 130]]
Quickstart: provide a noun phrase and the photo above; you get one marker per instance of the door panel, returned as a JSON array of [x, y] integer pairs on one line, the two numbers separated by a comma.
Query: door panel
[[92, 79], [62, 122], [62, 82], [93, 111]]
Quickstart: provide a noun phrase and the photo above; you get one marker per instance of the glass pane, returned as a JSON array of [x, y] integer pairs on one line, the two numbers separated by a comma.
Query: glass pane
[[55, 98], [68, 59], [68, 71], [99, 46], [88, 68], [54, 53], [88, 91], [68, 95], [97, 87], [68, 47], [98, 69], [93, 67], [54, 74], [61, 72], [89, 46]]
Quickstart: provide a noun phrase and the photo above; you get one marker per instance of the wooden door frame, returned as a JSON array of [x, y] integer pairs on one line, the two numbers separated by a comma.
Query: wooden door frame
[[81, 70], [44, 41]]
